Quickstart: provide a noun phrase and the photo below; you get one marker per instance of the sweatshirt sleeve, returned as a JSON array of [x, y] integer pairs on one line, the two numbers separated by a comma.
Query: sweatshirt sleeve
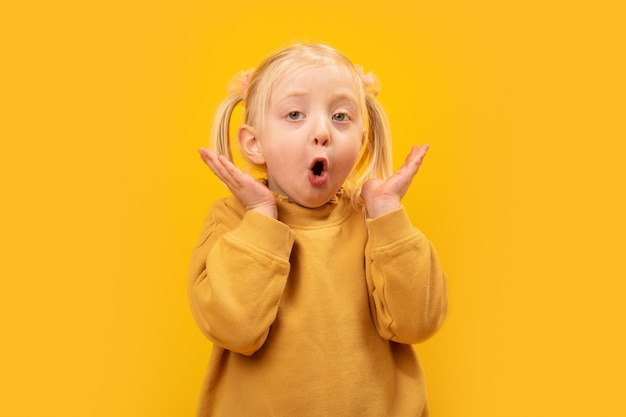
[[237, 276], [407, 287]]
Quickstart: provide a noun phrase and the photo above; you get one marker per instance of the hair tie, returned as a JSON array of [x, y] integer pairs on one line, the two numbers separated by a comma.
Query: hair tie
[[239, 83], [370, 81]]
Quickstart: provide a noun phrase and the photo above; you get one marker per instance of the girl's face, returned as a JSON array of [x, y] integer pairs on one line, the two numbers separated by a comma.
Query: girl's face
[[312, 134]]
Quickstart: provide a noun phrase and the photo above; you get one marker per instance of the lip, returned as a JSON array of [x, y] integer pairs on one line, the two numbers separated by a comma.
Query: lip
[[318, 172]]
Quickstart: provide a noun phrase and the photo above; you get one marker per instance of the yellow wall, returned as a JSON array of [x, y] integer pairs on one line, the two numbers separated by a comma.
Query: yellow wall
[[104, 105]]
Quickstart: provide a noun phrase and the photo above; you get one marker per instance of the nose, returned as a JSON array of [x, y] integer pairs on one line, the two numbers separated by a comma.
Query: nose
[[321, 133], [322, 142]]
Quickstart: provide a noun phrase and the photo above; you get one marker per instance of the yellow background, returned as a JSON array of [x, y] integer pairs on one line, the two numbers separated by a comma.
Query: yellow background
[[105, 103]]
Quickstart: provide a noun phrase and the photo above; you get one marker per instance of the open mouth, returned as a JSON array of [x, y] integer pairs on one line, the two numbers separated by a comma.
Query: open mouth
[[318, 168], [318, 175]]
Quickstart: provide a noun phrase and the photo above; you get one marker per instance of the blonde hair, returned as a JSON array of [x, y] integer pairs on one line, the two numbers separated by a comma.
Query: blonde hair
[[375, 159]]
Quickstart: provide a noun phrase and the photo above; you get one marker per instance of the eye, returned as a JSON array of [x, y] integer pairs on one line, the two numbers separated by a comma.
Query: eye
[[295, 115], [341, 117]]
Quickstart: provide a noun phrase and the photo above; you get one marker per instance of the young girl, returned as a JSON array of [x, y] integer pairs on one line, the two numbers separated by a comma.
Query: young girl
[[312, 283]]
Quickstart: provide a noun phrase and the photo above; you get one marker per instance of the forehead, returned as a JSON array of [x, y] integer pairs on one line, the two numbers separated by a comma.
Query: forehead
[[315, 78]]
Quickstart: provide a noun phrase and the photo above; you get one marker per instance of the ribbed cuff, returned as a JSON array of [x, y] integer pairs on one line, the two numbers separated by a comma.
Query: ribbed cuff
[[390, 228], [265, 233]]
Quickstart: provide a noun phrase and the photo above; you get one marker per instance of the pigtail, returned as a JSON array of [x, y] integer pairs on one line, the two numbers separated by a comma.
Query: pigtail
[[379, 139], [220, 135], [375, 160]]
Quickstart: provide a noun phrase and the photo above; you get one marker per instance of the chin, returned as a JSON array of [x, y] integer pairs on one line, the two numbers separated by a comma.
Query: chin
[[313, 202]]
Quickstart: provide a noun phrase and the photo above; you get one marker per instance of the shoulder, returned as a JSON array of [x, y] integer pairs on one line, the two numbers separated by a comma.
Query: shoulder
[[225, 214], [228, 208]]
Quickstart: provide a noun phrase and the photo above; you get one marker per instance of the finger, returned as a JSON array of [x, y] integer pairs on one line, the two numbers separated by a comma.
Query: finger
[[209, 157], [230, 168], [418, 152], [402, 178], [414, 160], [422, 149], [234, 178], [237, 179], [205, 154], [217, 166]]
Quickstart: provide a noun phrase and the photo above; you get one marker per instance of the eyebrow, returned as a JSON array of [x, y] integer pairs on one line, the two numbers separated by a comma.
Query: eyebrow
[[335, 96], [294, 93]]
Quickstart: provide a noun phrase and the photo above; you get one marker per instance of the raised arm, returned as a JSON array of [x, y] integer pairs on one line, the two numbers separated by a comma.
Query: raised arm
[[407, 286], [237, 276]]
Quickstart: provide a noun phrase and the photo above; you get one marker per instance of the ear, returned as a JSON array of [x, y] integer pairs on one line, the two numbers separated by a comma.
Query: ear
[[250, 144]]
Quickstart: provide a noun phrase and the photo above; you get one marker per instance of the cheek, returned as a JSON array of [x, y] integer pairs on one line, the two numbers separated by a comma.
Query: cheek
[[352, 154], [280, 155], [355, 156]]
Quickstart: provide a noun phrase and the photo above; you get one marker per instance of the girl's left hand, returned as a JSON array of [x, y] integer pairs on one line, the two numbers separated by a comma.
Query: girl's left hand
[[382, 196]]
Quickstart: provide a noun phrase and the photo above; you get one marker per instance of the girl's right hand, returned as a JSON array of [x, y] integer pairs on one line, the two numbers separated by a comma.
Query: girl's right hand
[[252, 194]]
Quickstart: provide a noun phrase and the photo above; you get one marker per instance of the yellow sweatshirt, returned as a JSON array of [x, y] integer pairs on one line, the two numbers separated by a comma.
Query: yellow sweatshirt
[[313, 314]]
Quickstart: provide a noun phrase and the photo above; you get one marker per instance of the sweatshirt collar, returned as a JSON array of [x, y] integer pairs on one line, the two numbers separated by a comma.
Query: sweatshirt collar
[[335, 211]]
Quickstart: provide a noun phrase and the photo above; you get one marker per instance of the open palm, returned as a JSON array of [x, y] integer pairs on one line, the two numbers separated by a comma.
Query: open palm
[[382, 196], [251, 193]]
